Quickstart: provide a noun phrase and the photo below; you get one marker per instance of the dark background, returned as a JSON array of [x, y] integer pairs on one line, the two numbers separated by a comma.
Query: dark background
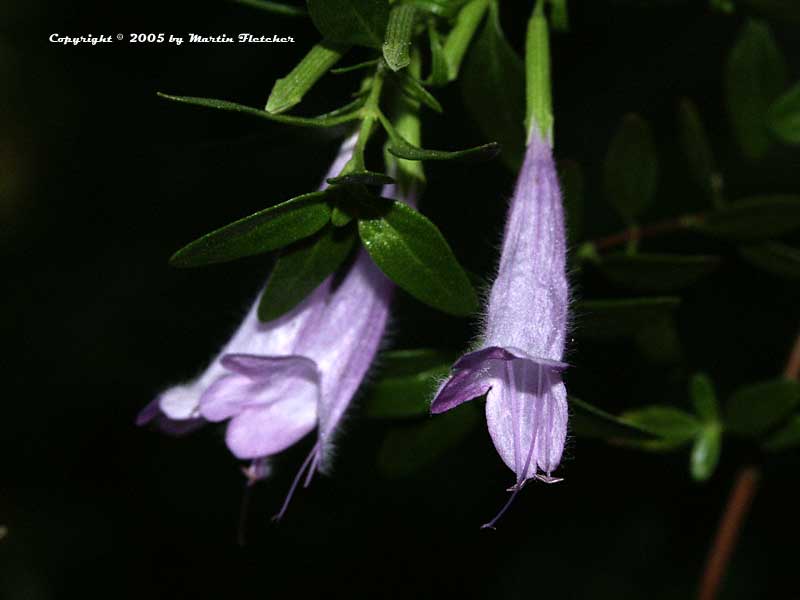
[[100, 181]]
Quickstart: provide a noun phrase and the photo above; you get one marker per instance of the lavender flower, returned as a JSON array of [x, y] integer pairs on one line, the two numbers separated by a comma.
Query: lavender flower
[[278, 381], [519, 365]]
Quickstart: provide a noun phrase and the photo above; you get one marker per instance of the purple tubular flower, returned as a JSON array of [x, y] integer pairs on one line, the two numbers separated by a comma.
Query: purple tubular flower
[[518, 366], [278, 381]]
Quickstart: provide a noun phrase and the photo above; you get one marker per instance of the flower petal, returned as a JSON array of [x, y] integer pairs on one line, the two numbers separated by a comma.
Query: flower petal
[[258, 381], [526, 414], [465, 385], [265, 430]]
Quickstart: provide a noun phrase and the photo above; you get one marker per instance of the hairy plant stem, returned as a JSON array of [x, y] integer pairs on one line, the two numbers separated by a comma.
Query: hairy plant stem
[[369, 116], [737, 508]]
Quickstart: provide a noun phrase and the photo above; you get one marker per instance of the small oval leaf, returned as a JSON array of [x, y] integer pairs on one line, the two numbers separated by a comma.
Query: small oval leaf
[[754, 218], [672, 424], [264, 231], [414, 254], [705, 452], [301, 268], [784, 116], [631, 168], [774, 257], [753, 410], [656, 272], [359, 22]]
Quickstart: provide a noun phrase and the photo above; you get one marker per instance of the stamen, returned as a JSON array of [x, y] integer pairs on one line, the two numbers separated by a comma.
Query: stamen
[[313, 468], [491, 524], [296, 481]]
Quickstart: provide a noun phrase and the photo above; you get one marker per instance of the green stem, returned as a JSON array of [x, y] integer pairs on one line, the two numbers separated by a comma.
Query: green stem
[[370, 113]]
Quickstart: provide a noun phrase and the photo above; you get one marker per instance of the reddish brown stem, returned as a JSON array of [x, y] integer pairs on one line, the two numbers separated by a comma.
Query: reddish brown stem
[[739, 501], [792, 370], [638, 233]]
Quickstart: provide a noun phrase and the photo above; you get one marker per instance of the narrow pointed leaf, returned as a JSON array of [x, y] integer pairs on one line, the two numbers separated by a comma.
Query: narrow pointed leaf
[[337, 117], [356, 67], [289, 91], [701, 390], [414, 254], [264, 231], [416, 91], [705, 452], [755, 218], [786, 437], [492, 66], [457, 42], [362, 178], [589, 421], [755, 409], [774, 257], [397, 45], [631, 168], [559, 15], [277, 8], [301, 268], [755, 75], [784, 116], [656, 272], [623, 318], [672, 424], [402, 148], [696, 146], [438, 75], [359, 22]]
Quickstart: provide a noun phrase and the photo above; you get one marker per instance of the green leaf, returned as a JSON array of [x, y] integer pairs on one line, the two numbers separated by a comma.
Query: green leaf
[[701, 391], [356, 67], [441, 8], [784, 116], [301, 268], [614, 319], [631, 168], [493, 88], [358, 22], [412, 252], [363, 177], [277, 8], [673, 425], [402, 148], [774, 257], [416, 91], [755, 75], [264, 231], [336, 117], [586, 420], [697, 147], [397, 45], [411, 448], [457, 42], [571, 176], [753, 410], [439, 73], [755, 218], [656, 272], [705, 452], [289, 91], [786, 437], [559, 15], [407, 380]]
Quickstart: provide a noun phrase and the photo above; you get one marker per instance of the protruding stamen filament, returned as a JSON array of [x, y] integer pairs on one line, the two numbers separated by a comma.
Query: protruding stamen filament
[[493, 522], [296, 481]]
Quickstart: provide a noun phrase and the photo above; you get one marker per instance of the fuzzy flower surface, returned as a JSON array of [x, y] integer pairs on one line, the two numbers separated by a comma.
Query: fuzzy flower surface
[[518, 366], [276, 382]]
